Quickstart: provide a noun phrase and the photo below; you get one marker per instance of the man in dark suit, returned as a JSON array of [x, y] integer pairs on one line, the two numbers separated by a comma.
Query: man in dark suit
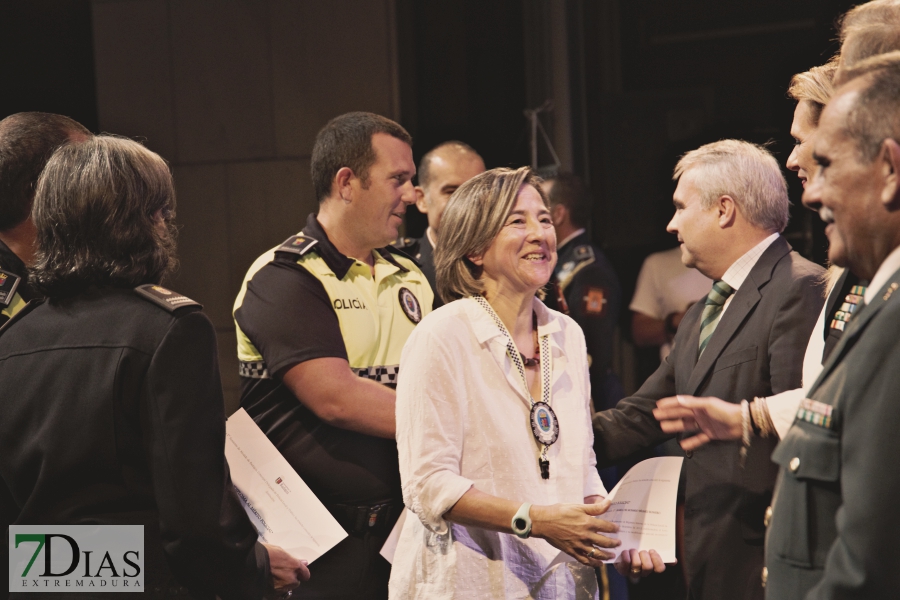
[[746, 339], [443, 169], [833, 527]]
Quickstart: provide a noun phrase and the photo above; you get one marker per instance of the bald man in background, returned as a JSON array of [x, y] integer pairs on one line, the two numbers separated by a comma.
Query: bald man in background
[[443, 169]]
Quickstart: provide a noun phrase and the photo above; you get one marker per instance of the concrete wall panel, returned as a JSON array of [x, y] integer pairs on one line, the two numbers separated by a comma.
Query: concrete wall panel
[[131, 53]]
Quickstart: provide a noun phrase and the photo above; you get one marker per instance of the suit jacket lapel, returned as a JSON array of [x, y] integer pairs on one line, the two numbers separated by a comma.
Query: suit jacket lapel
[[857, 325], [745, 299]]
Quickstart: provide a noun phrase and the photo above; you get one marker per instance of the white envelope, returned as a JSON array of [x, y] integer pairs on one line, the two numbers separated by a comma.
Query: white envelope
[[280, 505]]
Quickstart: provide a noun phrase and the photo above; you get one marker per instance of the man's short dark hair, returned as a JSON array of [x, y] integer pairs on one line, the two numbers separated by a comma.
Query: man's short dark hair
[[874, 116], [570, 191], [424, 172], [346, 141], [27, 140], [96, 211]]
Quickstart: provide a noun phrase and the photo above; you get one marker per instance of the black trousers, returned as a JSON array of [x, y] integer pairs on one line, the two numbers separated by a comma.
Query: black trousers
[[353, 569]]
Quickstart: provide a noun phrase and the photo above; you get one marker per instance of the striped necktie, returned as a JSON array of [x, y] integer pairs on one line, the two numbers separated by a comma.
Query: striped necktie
[[712, 312]]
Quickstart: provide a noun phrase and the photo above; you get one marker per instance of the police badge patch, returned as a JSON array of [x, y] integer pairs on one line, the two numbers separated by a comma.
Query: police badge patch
[[410, 305]]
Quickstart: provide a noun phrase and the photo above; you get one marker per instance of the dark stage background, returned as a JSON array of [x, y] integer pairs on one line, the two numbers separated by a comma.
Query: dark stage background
[[233, 92]]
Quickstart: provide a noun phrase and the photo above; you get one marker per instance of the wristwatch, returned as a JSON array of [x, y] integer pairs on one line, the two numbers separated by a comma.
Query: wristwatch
[[521, 521]]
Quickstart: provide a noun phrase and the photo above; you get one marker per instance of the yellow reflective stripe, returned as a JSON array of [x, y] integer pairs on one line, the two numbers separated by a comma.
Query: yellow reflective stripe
[[14, 306]]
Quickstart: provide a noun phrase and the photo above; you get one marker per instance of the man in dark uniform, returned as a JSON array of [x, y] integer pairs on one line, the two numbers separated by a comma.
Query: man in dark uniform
[[112, 401], [443, 169], [321, 321], [584, 284], [26, 142], [834, 521]]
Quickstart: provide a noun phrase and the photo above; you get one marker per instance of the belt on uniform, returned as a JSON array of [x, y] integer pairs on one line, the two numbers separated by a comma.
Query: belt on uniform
[[377, 519]]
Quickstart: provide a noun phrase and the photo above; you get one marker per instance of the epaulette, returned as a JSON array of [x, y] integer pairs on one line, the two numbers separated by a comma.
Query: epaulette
[[405, 242], [297, 245], [404, 254], [583, 253], [169, 300], [29, 306], [9, 282]]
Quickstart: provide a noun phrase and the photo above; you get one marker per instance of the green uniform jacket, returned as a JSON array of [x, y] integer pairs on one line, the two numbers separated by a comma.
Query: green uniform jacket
[[835, 522]]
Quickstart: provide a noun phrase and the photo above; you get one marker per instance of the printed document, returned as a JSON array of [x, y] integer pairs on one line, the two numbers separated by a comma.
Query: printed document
[[280, 505], [643, 506]]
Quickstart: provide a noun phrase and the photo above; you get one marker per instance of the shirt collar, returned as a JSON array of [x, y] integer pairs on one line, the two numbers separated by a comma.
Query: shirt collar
[[337, 262], [888, 267], [485, 328], [569, 238], [739, 269]]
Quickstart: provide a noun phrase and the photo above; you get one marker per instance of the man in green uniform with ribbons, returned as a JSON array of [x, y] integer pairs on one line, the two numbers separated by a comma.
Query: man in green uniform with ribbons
[[321, 320]]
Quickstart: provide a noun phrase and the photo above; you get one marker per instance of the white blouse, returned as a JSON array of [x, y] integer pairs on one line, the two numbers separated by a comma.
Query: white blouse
[[463, 420]]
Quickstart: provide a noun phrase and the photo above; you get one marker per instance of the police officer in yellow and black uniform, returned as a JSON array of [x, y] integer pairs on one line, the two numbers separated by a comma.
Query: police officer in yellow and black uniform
[[321, 321]]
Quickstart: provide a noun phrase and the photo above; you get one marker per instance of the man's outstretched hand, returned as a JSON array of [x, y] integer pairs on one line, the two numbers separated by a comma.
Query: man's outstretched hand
[[712, 419]]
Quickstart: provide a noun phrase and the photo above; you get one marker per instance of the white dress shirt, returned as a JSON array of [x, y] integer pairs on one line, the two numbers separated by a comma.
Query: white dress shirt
[[739, 269], [463, 421]]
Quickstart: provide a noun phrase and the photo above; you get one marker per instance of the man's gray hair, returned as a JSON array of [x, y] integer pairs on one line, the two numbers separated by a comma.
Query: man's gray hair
[[875, 115], [746, 172]]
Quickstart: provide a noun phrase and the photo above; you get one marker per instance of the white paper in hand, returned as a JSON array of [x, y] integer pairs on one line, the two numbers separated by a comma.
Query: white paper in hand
[[280, 505], [643, 506]]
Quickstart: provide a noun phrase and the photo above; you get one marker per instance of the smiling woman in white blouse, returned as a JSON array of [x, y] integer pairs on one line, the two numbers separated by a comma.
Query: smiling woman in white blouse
[[493, 423]]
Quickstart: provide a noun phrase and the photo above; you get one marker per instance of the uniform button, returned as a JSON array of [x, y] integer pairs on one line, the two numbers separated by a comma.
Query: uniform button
[[765, 576], [688, 453], [794, 464], [768, 516]]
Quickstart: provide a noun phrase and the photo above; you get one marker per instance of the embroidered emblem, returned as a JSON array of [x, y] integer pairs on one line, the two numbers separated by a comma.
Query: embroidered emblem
[[584, 252], [8, 284], [297, 244], [595, 301], [817, 413], [410, 305]]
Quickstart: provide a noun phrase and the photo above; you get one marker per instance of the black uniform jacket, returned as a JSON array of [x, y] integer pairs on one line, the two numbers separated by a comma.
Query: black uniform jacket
[[835, 524], [113, 414], [756, 350], [593, 297]]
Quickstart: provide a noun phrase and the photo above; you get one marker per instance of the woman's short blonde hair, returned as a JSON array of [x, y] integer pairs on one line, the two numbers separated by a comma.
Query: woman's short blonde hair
[[475, 214], [815, 86]]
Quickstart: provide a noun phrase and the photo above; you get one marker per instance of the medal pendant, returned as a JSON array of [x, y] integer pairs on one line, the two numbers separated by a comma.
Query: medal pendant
[[544, 425]]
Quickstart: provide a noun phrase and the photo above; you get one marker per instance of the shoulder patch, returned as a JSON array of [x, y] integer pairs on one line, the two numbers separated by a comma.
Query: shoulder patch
[[9, 282], [297, 244], [595, 299], [583, 252], [169, 300]]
